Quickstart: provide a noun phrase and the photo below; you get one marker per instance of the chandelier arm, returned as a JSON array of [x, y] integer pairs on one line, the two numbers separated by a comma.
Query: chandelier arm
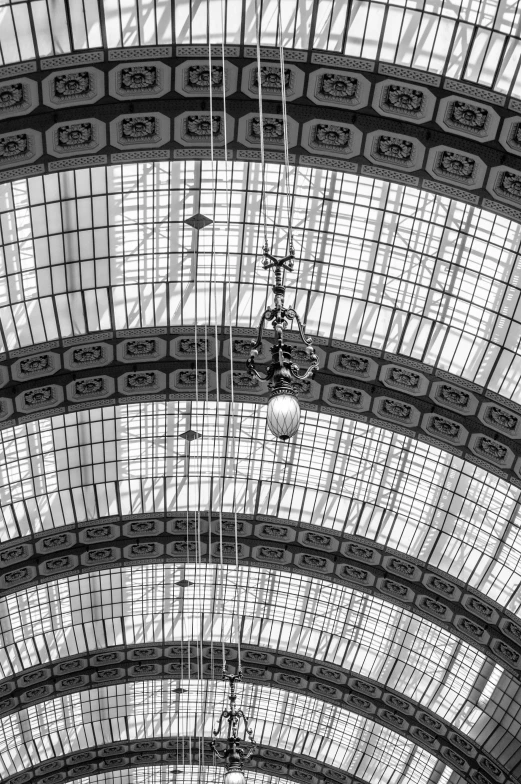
[[310, 371], [292, 314]]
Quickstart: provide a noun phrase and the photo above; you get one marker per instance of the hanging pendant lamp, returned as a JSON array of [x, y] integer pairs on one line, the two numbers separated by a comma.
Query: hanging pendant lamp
[[283, 408]]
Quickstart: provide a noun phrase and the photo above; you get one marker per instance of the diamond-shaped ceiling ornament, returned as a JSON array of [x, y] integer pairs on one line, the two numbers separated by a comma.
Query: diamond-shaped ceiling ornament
[[190, 435], [198, 221], [184, 583]]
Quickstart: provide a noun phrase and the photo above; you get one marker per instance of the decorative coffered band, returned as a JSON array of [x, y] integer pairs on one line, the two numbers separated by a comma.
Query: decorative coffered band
[[267, 542], [177, 751], [344, 114], [386, 390], [306, 676]]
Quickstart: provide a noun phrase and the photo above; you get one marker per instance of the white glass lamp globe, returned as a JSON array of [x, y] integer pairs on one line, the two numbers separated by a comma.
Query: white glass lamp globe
[[234, 776], [283, 416]]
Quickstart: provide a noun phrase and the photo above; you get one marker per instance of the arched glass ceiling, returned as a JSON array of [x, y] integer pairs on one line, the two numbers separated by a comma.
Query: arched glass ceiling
[[381, 264], [292, 613], [475, 41], [345, 475], [153, 709], [164, 774]]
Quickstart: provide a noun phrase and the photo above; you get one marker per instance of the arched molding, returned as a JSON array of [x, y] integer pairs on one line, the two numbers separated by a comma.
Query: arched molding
[[354, 382], [172, 751], [290, 672], [486, 143], [275, 544]]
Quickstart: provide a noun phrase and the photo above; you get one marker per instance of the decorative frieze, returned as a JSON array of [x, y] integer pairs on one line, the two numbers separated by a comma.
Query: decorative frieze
[[330, 87], [135, 81]]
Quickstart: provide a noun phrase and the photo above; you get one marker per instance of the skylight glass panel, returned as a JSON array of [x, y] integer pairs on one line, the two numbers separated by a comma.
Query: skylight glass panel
[[300, 615], [151, 709], [386, 266], [348, 476]]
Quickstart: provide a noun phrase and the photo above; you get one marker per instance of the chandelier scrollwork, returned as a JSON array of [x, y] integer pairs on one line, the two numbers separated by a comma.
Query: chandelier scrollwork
[[283, 408]]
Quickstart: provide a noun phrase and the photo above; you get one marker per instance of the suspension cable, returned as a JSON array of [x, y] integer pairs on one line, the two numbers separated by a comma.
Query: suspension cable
[[232, 414], [289, 201], [261, 129]]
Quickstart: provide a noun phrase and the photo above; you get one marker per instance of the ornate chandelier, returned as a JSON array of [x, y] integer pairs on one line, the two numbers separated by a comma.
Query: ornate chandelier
[[283, 408], [238, 750]]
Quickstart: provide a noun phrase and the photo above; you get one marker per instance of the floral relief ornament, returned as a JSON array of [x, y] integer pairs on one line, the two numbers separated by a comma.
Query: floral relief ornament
[[202, 125], [13, 147], [199, 76], [468, 116], [339, 86], [273, 128], [139, 128], [75, 135], [456, 165], [404, 99], [72, 85], [11, 96], [139, 78], [332, 136], [510, 184], [270, 78], [391, 147]]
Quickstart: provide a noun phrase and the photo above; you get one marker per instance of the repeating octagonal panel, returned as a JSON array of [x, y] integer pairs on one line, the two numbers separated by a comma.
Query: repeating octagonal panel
[[65, 139], [249, 131], [192, 78], [75, 87], [447, 164], [346, 89], [331, 138], [270, 81], [134, 81], [413, 103], [18, 97], [139, 130], [396, 151], [195, 129], [468, 118], [20, 148]]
